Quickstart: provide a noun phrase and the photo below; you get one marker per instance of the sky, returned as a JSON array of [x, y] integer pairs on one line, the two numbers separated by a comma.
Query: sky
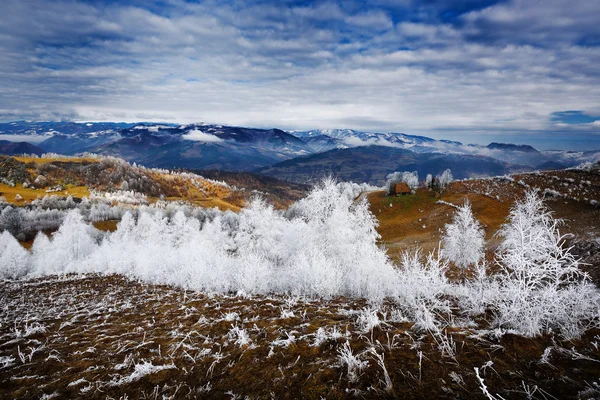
[[520, 71]]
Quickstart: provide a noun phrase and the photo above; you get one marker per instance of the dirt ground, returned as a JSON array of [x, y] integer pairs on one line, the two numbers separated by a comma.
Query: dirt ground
[[110, 338]]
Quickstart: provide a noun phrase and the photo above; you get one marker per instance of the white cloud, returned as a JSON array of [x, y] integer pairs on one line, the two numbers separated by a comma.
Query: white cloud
[[199, 136], [318, 66]]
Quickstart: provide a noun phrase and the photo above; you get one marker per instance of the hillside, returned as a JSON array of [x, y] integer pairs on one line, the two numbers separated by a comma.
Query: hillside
[[372, 164], [15, 148], [33, 177], [417, 220], [101, 337], [302, 301]]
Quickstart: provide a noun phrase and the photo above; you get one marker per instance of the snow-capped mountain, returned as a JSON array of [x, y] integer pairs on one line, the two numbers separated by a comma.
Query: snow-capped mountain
[[204, 146], [328, 139], [164, 145]]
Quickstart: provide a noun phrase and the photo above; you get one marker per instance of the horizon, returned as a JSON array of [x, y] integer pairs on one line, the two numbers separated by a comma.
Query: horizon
[[482, 142]]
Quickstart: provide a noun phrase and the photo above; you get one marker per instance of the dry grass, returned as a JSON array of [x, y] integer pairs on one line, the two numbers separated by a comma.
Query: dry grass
[[27, 194], [58, 159], [82, 337], [418, 220]]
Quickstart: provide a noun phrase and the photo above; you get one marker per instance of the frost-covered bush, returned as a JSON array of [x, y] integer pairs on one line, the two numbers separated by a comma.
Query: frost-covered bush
[[120, 196], [353, 190], [540, 285], [11, 220], [14, 259], [463, 239], [422, 285], [70, 246], [444, 180], [327, 247]]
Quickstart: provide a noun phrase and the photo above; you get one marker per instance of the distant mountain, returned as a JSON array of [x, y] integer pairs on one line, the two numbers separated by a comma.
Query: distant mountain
[[512, 147], [571, 158], [373, 163], [205, 147], [166, 145], [328, 139], [16, 148], [66, 128], [202, 146]]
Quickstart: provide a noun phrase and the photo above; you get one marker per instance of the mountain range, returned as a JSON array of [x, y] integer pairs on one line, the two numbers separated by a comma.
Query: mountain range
[[298, 156]]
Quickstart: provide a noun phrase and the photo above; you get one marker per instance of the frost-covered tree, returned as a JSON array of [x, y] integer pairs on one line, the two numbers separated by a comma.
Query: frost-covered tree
[[428, 181], [463, 239], [540, 285], [444, 180], [11, 220], [14, 259]]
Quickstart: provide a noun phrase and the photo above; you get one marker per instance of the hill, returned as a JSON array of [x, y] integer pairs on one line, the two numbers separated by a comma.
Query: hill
[[372, 164], [298, 303], [31, 178], [417, 220], [15, 148]]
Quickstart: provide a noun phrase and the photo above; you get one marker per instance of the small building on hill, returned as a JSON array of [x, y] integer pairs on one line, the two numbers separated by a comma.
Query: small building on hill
[[401, 189]]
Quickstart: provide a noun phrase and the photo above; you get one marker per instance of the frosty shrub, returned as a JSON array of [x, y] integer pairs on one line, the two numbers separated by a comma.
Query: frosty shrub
[[540, 285], [325, 246], [14, 259], [444, 180], [422, 284], [11, 220], [70, 246], [463, 239]]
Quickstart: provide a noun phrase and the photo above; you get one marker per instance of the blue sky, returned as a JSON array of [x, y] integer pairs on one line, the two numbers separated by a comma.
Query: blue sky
[[524, 71]]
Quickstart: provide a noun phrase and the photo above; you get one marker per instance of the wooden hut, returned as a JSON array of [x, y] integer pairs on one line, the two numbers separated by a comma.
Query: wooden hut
[[401, 189]]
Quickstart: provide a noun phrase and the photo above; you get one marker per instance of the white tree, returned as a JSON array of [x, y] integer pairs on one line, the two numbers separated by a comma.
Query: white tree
[[540, 285], [428, 180], [14, 259], [463, 239], [445, 179]]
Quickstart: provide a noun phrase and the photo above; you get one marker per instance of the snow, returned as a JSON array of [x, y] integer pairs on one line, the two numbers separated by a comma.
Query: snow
[[141, 370]]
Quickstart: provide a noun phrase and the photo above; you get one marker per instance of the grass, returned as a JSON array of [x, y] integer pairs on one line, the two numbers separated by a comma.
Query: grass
[[418, 220], [27, 194], [58, 159], [83, 336]]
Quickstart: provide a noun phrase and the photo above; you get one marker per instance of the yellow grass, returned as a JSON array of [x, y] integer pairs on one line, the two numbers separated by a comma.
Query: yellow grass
[[10, 193], [59, 159], [417, 220]]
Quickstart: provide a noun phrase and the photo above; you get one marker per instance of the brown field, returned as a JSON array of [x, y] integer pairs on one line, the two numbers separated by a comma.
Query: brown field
[[10, 193], [58, 159], [100, 337], [417, 220]]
